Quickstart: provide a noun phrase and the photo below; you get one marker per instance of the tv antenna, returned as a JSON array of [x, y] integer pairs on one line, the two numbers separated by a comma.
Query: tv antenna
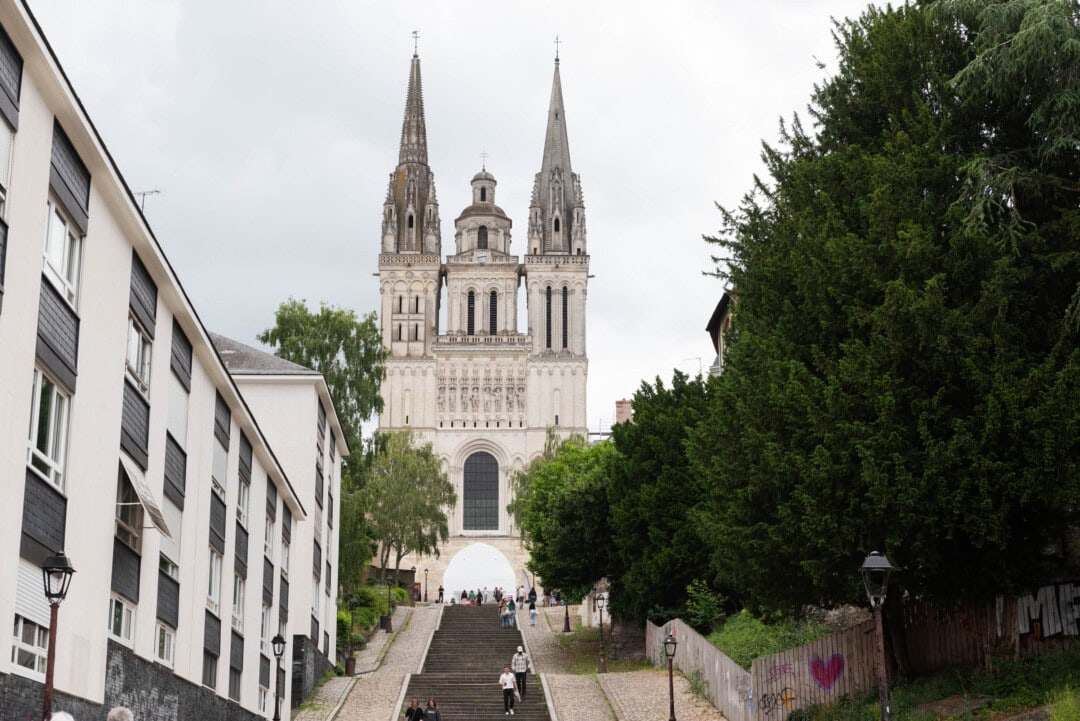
[[142, 196]]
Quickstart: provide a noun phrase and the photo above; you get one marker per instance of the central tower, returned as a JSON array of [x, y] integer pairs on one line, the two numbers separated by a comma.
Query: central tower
[[483, 391]]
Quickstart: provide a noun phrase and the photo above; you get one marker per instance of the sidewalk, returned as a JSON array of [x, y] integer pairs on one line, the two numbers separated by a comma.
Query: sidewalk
[[329, 697]]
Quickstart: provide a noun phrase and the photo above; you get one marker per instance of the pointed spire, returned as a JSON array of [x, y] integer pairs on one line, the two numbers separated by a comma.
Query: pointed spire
[[413, 129], [556, 142]]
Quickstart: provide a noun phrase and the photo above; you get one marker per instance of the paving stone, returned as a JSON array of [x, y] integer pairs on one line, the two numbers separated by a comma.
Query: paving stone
[[643, 696]]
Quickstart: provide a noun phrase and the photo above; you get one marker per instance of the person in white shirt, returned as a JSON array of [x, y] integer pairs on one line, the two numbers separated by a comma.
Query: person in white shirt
[[506, 682]]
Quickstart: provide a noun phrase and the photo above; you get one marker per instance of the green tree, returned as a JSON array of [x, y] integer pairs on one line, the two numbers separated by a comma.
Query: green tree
[[521, 481], [657, 548], [564, 515], [406, 497], [900, 376]]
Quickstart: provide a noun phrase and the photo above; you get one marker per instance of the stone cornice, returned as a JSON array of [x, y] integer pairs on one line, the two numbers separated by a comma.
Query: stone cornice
[[409, 259], [556, 260]]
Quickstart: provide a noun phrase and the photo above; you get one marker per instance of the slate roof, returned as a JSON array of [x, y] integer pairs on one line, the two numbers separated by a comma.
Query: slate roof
[[242, 359]]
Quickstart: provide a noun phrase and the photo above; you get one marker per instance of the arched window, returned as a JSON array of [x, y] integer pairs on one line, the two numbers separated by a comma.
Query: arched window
[[556, 225], [493, 313], [399, 331], [565, 315], [400, 300], [410, 221], [548, 304], [471, 314], [483, 195], [481, 493], [481, 237]]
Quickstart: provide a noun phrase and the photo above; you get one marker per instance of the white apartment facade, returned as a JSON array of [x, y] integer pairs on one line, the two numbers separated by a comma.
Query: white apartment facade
[[125, 442]]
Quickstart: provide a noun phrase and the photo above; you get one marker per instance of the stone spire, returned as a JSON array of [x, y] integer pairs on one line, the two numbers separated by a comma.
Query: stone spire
[[557, 210], [411, 211]]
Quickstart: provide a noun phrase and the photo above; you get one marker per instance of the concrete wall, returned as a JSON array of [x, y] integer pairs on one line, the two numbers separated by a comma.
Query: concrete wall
[[727, 684]]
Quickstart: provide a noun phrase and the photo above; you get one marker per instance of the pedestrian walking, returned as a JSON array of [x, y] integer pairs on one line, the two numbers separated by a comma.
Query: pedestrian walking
[[121, 714], [414, 712], [502, 614], [440, 594], [511, 612], [506, 682], [532, 595], [532, 612], [520, 665], [472, 598], [431, 713]]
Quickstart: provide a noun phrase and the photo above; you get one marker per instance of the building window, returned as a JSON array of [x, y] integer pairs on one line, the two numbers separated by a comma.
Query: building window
[[166, 643], [234, 684], [416, 304], [268, 538], [556, 225], [63, 250], [493, 313], [139, 347], [168, 567], [316, 607], [481, 237], [121, 619], [284, 559], [31, 646], [471, 313], [209, 670], [481, 493], [410, 221], [7, 142], [48, 429], [401, 304], [213, 591], [238, 603], [483, 195], [170, 546], [129, 514], [547, 292], [242, 497], [565, 316], [219, 468], [264, 631], [263, 694]]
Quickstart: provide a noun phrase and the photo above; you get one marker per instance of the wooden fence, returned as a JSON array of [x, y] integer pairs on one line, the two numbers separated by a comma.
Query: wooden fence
[[727, 684]]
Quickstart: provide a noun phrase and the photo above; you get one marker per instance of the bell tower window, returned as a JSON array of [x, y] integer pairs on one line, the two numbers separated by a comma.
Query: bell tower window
[[493, 312], [471, 314], [483, 195], [410, 221], [565, 314], [481, 237], [556, 226], [547, 344]]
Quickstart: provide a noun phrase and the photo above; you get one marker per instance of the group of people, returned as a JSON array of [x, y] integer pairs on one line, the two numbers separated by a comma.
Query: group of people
[[117, 714], [430, 713], [508, 605], [512, 681]]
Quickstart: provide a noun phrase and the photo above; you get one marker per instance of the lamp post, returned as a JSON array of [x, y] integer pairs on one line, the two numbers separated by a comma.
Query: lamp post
[[425, 585], [875, 572], [670, 644], [601, 666], [278, 642], [56, 577]]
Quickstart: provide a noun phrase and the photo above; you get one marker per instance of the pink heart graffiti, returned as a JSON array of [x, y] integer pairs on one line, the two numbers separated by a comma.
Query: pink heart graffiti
[[826, 673]]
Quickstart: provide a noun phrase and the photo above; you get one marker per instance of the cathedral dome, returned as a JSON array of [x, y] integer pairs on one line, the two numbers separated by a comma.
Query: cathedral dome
[[484, 175]]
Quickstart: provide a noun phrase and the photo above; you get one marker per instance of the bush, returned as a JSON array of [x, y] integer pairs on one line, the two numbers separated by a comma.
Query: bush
[[704, 607], [744, 637], [401, 595], [1065, 705]]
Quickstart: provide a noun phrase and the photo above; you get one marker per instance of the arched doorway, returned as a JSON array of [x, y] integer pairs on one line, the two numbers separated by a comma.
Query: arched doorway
[[480, 509], [478, 566]]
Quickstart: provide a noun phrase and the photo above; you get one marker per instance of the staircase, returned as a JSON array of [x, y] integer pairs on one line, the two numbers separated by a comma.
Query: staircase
[[462, 668]]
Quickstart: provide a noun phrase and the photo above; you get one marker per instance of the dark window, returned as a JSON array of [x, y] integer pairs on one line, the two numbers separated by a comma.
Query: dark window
[[493, 312], [410, 221], [209, 669], [565, 315], [399, 331], [481, 237], [416, 331], [483, 195], [471, 322], [556, 225], [416, 304], [547, 343], [400, 303], [234, 684], [481, 510]]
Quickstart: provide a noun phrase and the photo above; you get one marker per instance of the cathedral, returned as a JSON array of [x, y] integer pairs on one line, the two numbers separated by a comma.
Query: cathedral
[[482, 390]]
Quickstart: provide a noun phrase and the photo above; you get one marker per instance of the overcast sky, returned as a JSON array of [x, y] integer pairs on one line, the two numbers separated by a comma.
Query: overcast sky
[[270, 128]]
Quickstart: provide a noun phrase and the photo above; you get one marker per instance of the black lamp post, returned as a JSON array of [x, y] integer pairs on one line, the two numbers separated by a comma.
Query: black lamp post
[[670, 644], [56, 577], [875, 572], [601, 666], [425, 585], [278, 642]]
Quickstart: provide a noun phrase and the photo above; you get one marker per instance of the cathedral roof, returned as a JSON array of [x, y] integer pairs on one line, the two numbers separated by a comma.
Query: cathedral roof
[[556, 142], [242, 359], [413, 129], [483, 175], [483, 209]]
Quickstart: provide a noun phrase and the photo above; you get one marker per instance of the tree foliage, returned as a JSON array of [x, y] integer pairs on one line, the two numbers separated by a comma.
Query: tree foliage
[[900, 375], [406, 497], [564, 514]]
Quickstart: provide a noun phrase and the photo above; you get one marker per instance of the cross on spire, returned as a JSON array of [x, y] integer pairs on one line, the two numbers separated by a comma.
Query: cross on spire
[[416, 42], [483, 159], [557, 42]]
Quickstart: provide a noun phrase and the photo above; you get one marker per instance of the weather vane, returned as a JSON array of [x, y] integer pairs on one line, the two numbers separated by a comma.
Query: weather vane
[[416, 41], [483, 159], [557, 41]]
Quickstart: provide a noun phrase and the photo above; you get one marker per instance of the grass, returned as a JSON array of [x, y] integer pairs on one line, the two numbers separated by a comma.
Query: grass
[[581, 648], [1016, 685], [744, 637]]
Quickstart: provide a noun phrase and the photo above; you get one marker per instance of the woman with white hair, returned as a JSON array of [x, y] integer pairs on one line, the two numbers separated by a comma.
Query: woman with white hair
[[61, 716], [120, 714]]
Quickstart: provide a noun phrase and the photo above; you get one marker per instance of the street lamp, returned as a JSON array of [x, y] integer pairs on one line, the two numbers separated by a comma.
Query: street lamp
[[425, 585], [278, 642], [602, 665], [56, 577], [875, 572], [670, 644]]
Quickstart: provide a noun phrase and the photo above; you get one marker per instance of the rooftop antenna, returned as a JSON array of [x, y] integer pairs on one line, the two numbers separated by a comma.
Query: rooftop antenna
[[698, 359], [142, 196], [416, 42], [557, 42]]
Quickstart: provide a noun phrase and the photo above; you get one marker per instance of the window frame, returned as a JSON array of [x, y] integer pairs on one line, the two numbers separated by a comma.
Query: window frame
[[42, 462], [239, 594], [141, 344], [126, 634], [213, 591], [243, 502], [40, 654], [285, 548], [128, 529], [66, 278], [168, 635], [265, 620]]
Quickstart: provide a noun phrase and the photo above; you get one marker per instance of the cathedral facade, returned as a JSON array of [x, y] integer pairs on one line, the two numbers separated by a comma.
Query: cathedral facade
[[485, 388]]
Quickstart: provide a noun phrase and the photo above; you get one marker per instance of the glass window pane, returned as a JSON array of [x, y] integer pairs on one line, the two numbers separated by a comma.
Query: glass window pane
[[481, 493]]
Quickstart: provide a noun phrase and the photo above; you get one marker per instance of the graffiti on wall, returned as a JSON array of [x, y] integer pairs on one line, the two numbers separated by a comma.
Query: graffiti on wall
[[783, 700], [827, 673], [746, 692], [1051, 611], [778, 671]]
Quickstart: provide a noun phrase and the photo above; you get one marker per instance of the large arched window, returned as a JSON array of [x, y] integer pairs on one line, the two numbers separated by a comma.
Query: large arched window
[[565, 316], [481, 509], [470, 313], [481, 237], [493, 313], [547, 292]]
